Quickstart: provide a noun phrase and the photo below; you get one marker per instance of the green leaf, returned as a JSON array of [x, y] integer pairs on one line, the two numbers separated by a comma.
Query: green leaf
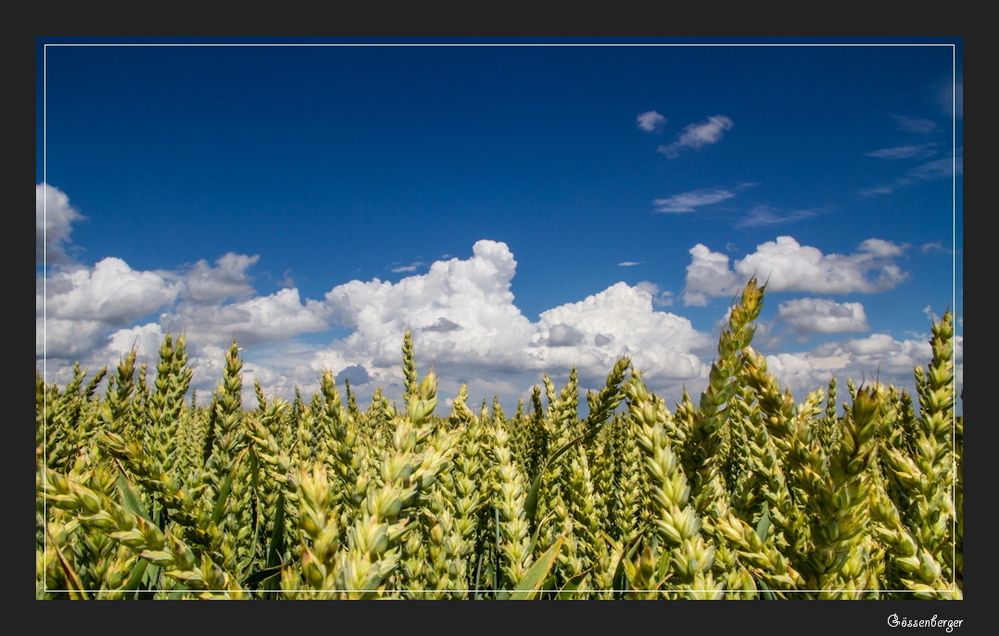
[[151, 578], [262, 575], [130, 499], [220, 502], [766, 593], [276, 546], [478, 573], [135, 577], [565, 594], [534, 578], [763, 527]]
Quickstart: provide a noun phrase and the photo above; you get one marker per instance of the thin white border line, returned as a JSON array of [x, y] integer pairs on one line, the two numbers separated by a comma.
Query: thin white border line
[[501, 44], [45, 295], [953, 287], [45, 47]]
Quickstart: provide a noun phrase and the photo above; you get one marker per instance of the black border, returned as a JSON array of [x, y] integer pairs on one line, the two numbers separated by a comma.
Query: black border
[[804, 20]]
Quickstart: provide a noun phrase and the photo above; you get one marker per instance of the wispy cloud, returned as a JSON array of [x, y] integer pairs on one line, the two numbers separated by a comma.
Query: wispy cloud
[[935, 246], [950, 98], [287, 280], [404, 269], [689, 201], [694, 136], [929, 171], [629, 263], [765, 216], [919, 151], [913, 124], [650, 121]]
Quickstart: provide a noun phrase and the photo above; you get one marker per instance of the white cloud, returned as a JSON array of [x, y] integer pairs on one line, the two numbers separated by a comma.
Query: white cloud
[[54, 218], [880, 247], [563, 335], [264, 318], [228, 279], [790, 266], [405, 269], [629, 263], [111, 292], [66, 339], [878, 357], [935, 246], [466, 325], [690, 201], [660, 297], [821, 315], [695, 136], [496, 344], [919, 151], [145, 339], [623, 319], [650, 121], [765, 216], [916, 125], [708, 275]]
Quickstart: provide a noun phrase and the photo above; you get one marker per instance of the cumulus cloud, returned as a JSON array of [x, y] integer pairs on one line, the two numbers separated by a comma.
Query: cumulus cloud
[[765, 216], [697, 135], [650, 121], [822, 315], [66, 339], [879, 356], [497, 348], [708, 275], [919, 151], [54, 218], [563, 335], [690, 201], [144, 339], [280, 315], [660, 297], [625, 322], [228, 279], [89, 313], [110, 292], [790, 266], [466, 325]]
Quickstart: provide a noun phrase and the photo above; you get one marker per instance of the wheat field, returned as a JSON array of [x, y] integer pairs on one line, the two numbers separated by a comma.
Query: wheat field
[[850, 493]]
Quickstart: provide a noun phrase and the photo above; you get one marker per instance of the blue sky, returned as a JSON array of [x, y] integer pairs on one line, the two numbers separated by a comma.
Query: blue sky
[[312, 167]]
